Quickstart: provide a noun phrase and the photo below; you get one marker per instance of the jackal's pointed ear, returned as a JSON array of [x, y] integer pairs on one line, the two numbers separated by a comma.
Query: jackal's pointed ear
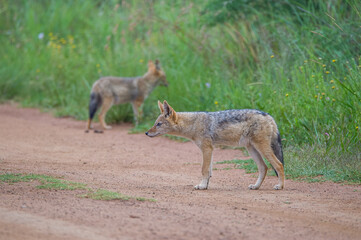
[[151, 66], [160, 105], [157, 64], [169, 111]]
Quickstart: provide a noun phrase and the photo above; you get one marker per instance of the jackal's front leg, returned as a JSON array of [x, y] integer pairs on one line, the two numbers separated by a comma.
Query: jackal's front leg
[[207, 150]]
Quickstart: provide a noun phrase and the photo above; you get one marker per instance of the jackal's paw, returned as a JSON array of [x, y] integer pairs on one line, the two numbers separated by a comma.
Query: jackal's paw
[[278, 187], [200, 187], [107, 127], [253, 187]]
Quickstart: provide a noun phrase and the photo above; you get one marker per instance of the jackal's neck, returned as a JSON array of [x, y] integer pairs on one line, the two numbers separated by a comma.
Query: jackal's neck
[[150, 79], [190, 124], [147, 83]]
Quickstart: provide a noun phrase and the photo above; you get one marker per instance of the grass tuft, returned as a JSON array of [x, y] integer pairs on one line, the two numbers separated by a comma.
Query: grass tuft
[[51, 183], [103, 194]]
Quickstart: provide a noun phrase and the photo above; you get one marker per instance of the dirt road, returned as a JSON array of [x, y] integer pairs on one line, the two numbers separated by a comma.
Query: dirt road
[[158, 168]]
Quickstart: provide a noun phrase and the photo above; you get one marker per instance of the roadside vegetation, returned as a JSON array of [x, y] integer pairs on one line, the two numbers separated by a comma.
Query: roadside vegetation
[[297, 60]]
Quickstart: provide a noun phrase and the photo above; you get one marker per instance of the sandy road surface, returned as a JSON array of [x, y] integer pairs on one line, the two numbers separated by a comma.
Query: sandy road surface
[[34, 142]]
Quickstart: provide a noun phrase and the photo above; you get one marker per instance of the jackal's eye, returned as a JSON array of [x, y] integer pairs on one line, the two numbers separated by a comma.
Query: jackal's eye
[[158, 124]]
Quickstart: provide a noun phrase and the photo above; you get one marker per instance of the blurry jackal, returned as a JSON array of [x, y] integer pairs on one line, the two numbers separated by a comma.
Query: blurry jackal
[[108, 91]]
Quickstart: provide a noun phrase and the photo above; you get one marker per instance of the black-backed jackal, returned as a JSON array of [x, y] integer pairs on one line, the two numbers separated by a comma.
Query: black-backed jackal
[[108, 91], [253, 129]]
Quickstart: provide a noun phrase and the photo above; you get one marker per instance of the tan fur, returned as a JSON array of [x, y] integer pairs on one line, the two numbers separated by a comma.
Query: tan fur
[[119, 90], [253, 129]]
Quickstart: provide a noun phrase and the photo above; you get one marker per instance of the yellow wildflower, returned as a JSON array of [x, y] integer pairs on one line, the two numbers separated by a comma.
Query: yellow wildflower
[[215, 102], [333, 100], [272, 56], [70, 39], [332, 81], [286, 94], [327, 72], [334, 60], [333, 87], [141, 61], [324, 65]]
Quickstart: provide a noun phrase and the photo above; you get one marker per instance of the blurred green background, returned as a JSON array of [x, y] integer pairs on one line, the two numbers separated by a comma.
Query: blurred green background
[[297, 60]]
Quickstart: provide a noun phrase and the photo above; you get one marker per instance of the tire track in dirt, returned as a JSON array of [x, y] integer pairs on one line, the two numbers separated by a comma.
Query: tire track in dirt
[[15, 224]]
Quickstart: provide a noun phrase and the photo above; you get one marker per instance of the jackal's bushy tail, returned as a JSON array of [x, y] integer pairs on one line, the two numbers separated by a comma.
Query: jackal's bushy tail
[[94, 104], [276, 145]]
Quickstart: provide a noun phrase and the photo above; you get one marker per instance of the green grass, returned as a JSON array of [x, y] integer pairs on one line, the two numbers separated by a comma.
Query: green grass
[[318, 163], [46, 182], [103, 194], [62, 185], [297, 60], [14, 178], [51, 183], [311, 165]]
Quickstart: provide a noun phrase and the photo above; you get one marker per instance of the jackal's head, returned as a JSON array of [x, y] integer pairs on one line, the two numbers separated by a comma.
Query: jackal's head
[[156, 73], [166, 122]]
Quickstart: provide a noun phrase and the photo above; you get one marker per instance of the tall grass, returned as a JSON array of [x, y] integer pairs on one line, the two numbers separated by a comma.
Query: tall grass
[[297, 60]]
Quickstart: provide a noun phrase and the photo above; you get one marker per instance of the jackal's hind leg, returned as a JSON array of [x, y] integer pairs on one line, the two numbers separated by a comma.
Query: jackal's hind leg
[[107, 103], [262, 167], [267, 152]]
